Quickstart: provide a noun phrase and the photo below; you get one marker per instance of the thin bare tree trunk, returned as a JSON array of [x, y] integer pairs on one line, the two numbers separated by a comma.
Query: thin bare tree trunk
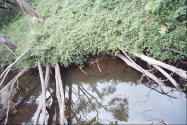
[[43, 97], [42, 104], [60, 94]]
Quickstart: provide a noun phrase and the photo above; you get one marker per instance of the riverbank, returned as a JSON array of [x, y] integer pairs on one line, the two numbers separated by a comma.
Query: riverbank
[[73, 30]]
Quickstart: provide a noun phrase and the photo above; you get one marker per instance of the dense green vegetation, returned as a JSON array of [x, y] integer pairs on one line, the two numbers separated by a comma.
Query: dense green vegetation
[[75, 29]]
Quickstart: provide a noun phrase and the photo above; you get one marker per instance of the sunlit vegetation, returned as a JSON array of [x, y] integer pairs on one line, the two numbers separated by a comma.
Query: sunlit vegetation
[[73, 30]]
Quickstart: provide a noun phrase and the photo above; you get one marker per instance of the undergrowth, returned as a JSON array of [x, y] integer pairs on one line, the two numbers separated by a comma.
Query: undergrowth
[[74, 29]]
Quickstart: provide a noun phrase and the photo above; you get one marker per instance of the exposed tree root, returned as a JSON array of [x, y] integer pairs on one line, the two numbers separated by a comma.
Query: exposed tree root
[[60, 94], [41, 110]]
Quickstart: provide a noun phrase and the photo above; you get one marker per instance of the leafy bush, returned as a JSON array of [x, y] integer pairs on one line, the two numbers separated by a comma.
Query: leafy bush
[[75, 29]]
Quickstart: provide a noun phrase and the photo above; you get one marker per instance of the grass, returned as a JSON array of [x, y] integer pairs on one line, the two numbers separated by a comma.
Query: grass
[[74, 29]]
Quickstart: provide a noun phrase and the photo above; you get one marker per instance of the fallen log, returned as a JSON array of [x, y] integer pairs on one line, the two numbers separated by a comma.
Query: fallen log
[[157, 65]]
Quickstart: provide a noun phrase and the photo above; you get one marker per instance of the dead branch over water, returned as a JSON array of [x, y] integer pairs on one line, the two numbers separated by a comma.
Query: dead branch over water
[[11, 93], [13, 81], [7, 70], [180, 72], [140, 69], [60, 94], [167, 76], [157, 65]]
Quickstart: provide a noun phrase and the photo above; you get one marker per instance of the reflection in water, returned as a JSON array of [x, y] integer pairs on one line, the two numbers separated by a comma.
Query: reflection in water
[[111, 96], [119, 109]]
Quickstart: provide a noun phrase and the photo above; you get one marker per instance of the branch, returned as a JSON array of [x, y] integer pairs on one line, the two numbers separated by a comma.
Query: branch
[[13, 81], [140, 69], [6, 71], [171, 68], [167, 76]]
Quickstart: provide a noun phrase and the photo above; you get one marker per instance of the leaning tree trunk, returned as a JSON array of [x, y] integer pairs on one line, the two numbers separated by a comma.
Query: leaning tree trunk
[[25, 5], [6, 42], [60, 94]]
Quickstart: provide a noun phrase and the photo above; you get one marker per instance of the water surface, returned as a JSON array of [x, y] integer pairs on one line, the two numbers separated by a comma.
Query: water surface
[[107, 92]]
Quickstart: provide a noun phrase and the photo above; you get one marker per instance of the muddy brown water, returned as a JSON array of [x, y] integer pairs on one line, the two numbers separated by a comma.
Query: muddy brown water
[[110, 96]]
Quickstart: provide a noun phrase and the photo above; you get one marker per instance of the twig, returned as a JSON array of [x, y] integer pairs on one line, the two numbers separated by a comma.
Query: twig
[[98, 66], [7, 112], [4, 77], [164, 93], [10, 97], [83, 70]]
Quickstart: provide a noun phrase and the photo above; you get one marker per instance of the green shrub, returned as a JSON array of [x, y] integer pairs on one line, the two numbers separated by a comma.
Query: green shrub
[[73, 30]]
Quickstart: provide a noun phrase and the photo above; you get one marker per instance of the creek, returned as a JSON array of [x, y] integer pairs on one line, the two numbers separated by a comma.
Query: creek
[[107, 92]]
